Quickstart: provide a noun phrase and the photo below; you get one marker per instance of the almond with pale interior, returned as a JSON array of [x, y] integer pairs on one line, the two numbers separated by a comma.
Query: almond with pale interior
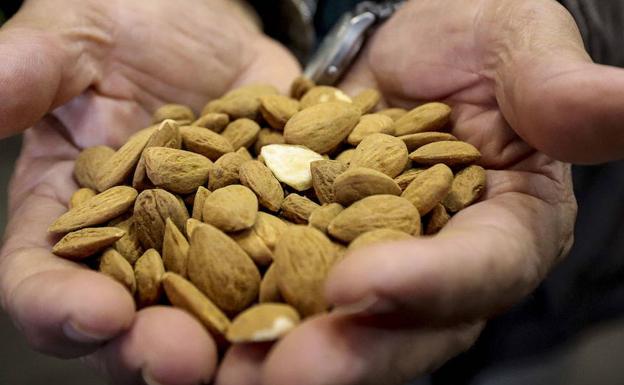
[[262, 323], [290, 164]]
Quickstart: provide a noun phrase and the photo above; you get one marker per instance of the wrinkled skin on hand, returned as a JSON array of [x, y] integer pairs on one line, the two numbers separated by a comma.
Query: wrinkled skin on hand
[[102, 68]]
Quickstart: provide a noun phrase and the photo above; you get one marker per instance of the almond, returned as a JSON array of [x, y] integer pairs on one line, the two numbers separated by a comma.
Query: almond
[[322, 216], [300, 86], [303, 258], [118, 268], [175, 249], [393, 113], [86, 242], [269, 292], [213, 121], [254, 246], [322, 127], [226, 171], [346, 156], [177, 171], [414, 141], [241, 133], [173, 112], [324, 173], [205, 142], [269, 228], [297, 208], [88, 165], [407, 177], [198, 203], [166, 135], [262, 323], [261, 181], [255, 90], [451, 153], [151, 210], [266, 137], [378, 236], [222, 270], [290, 164], [80, 196], [370, 124], [278, 109], [428, 117], [381, 152], [429, 188], [235, 106], [97, 210], [438, 218], [231, 208], [375, 212], [148, 272], [358, 183], [323, 94], [367, 100], [244, 153], [467, 187], [129, 245]]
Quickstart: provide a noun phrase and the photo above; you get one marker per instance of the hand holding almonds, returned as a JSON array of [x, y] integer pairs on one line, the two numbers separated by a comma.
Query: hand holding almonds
[[245, 243]]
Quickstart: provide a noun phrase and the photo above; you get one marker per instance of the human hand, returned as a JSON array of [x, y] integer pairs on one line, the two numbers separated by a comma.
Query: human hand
[[508, 69], [102, 68]]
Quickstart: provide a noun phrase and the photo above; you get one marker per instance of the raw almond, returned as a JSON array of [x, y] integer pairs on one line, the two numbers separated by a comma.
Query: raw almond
[[129, 245], [175, 249], [261, 181], [367, 100], [324, 173], [303, 258], [428, 117], [414, 141], [226, 171], [467, 187], [235, 106], [231, 208], [370, 124], [262, 323], [184, 295], [241, 133], [205, 142], [297, 208], [269, 228], [266, 137], [198, 203], [89, 163], [148, 272], [407, 177], [255, 90], [429, 188], [254, 246], [213, 121], [269, 292], [322, 216], [97, 210], [86, 242], [346, 156], [323, 94], [80, 196], [378, 236], [358, 183], [300, 86], [151, 210], [322, 127], [174, 112], [191, 225], [278, 109], [375, 212], [222, 270], [118, 268], [451, 153], [290, 164], [393, 113], [438, 218], [244, 153], [166, 135], [177, 171], [381, 152]]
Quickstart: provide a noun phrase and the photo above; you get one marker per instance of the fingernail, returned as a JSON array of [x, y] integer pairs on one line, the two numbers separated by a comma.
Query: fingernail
[[148, 379], [79, 334], [369, 305]]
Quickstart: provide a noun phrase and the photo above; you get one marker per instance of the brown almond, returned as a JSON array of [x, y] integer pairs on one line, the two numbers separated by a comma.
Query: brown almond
[[166, 135], [375, 212], [198, 203], [118, 167], [263, 183], [151, 210], [378, 236], [173, 112], [86, 242], [177, 171], [262, 323], [244, 153], [269, 292], [451, 153], [414, 141], [278, 109], [231, 208], [225, 171], [269, 228], [236, 106], [213, 121], [429, 188], [118, 268], [381, 152], [323, 94], [222, 270], [324, 173], [322, 216], [393, 113], [303, 258], [468, 186], [205, 142], [407, 177], [346, 156], [297, 208], [80, 196], [359, 183], [367, 100], [191, 225], [322, 127], [97, 210], [266, 137], [300, 86], [184, 295], [241, 133], [370, 124], [428, 117], [148, 272], [89, 163], [254, 246], [175, 249], [129, 245], [438, 218]]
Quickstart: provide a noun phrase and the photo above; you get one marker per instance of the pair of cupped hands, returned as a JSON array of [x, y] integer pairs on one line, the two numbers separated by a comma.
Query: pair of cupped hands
[[523, 90]]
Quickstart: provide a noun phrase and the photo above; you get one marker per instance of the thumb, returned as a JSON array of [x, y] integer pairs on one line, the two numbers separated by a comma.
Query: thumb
[[555, 97], [45, 62]]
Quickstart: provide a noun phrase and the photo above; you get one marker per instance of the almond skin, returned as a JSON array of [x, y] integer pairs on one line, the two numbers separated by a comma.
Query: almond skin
[[378, 236], [80, 196], [438, 218], [175, 249], [148, 272], [129, 245], [231, 208], [198, 202], [269, 292], [118, 268], [393, 113], [241, 133], [175, 170], [278, 109], [89, 163], [370, 124], [173, 112], [428, 117], [414, 141], [358, 183], [468, 186], [375, 212], [266, 137], [429, 188], [367, 100], [86, 242], [300, 86], [381, 152], [261, 181], [407, 177], [166, 135], [226, 171], [151, 210], [322, 216], [213, 121], [322, 127], [323, 94], [205, 142], [324, 173], [297, 208], [451, 153]]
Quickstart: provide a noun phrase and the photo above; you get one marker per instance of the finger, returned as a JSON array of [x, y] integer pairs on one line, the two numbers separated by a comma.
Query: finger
[[548, 88], [44, 62], [335, 350], [487, 257], [164, 346], [242, 364]]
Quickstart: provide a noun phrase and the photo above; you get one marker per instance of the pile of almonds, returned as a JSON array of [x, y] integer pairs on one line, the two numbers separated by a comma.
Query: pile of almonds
[[238, 224]]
